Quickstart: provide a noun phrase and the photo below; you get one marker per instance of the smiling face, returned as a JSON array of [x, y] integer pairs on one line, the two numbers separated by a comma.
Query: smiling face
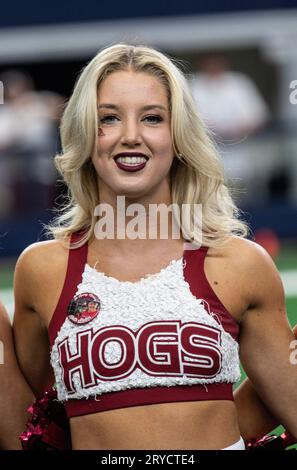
[[134, 117], [92, 307]]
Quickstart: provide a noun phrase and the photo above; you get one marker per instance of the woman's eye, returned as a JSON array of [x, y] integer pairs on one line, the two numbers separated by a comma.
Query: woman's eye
[[107, 119], [155, 119], [111, 119]]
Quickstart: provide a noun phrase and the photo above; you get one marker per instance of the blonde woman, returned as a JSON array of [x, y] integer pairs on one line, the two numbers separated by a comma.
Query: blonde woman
[[141, 334]]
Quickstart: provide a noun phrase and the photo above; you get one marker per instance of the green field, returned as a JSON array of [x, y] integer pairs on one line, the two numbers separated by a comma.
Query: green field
[[6, 275]]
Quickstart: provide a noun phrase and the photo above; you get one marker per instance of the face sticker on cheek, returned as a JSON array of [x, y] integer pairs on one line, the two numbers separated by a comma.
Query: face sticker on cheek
[[100, 132]]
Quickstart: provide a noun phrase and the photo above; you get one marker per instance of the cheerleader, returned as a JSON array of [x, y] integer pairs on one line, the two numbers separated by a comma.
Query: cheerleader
[[153, 366]]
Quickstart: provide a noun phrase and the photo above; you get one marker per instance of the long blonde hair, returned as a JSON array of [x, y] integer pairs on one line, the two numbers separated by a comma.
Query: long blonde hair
[[196, 175]]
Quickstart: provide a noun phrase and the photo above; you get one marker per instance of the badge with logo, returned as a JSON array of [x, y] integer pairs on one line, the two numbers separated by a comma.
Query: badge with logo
[[83, 308]]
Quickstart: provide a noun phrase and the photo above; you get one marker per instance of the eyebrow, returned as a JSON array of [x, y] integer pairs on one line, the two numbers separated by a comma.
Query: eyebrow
[[144, 108]]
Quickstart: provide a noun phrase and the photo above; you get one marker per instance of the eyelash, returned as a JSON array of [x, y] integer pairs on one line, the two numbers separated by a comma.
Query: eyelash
[[103, 119]]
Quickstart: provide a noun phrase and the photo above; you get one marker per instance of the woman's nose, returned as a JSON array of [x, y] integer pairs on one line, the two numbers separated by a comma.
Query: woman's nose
[[131, 133]]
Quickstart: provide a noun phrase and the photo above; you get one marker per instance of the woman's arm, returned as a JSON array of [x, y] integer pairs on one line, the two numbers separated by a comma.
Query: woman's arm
[[30, 332], [255, 420], [265, 344], [15, 394]]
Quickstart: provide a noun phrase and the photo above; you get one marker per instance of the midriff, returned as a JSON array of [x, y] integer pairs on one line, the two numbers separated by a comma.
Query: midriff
[[180, 425]]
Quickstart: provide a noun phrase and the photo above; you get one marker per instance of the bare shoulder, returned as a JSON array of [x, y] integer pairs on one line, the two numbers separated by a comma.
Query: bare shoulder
[[43, 251], [40, 271], [40, 257], [243, 254], [253, 267]]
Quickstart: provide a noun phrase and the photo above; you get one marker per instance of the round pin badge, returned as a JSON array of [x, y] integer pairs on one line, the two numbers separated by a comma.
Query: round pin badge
[[83, 308]]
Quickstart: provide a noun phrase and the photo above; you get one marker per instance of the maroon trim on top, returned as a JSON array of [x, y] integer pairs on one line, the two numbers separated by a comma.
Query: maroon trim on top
[[194, 274], [148, 396], [77, 259]]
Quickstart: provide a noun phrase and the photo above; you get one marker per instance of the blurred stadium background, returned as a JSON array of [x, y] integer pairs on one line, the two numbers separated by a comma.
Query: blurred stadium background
[[241, 63]]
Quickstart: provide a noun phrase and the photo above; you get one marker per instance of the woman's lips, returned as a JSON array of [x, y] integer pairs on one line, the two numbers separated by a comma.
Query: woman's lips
[[126, 167]]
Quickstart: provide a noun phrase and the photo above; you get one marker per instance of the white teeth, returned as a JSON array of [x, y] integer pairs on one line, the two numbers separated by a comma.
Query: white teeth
[[131, 160]]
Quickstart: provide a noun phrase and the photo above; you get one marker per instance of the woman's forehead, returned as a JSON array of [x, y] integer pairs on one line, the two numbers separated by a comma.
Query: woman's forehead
[[124, 86]]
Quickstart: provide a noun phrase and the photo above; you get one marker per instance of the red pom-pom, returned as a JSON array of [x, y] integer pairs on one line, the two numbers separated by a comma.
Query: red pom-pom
[[48, 427]]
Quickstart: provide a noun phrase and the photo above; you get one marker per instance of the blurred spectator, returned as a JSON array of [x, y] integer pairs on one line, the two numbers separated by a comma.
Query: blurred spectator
[[228, 101], [28, 136], [233, 109]]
